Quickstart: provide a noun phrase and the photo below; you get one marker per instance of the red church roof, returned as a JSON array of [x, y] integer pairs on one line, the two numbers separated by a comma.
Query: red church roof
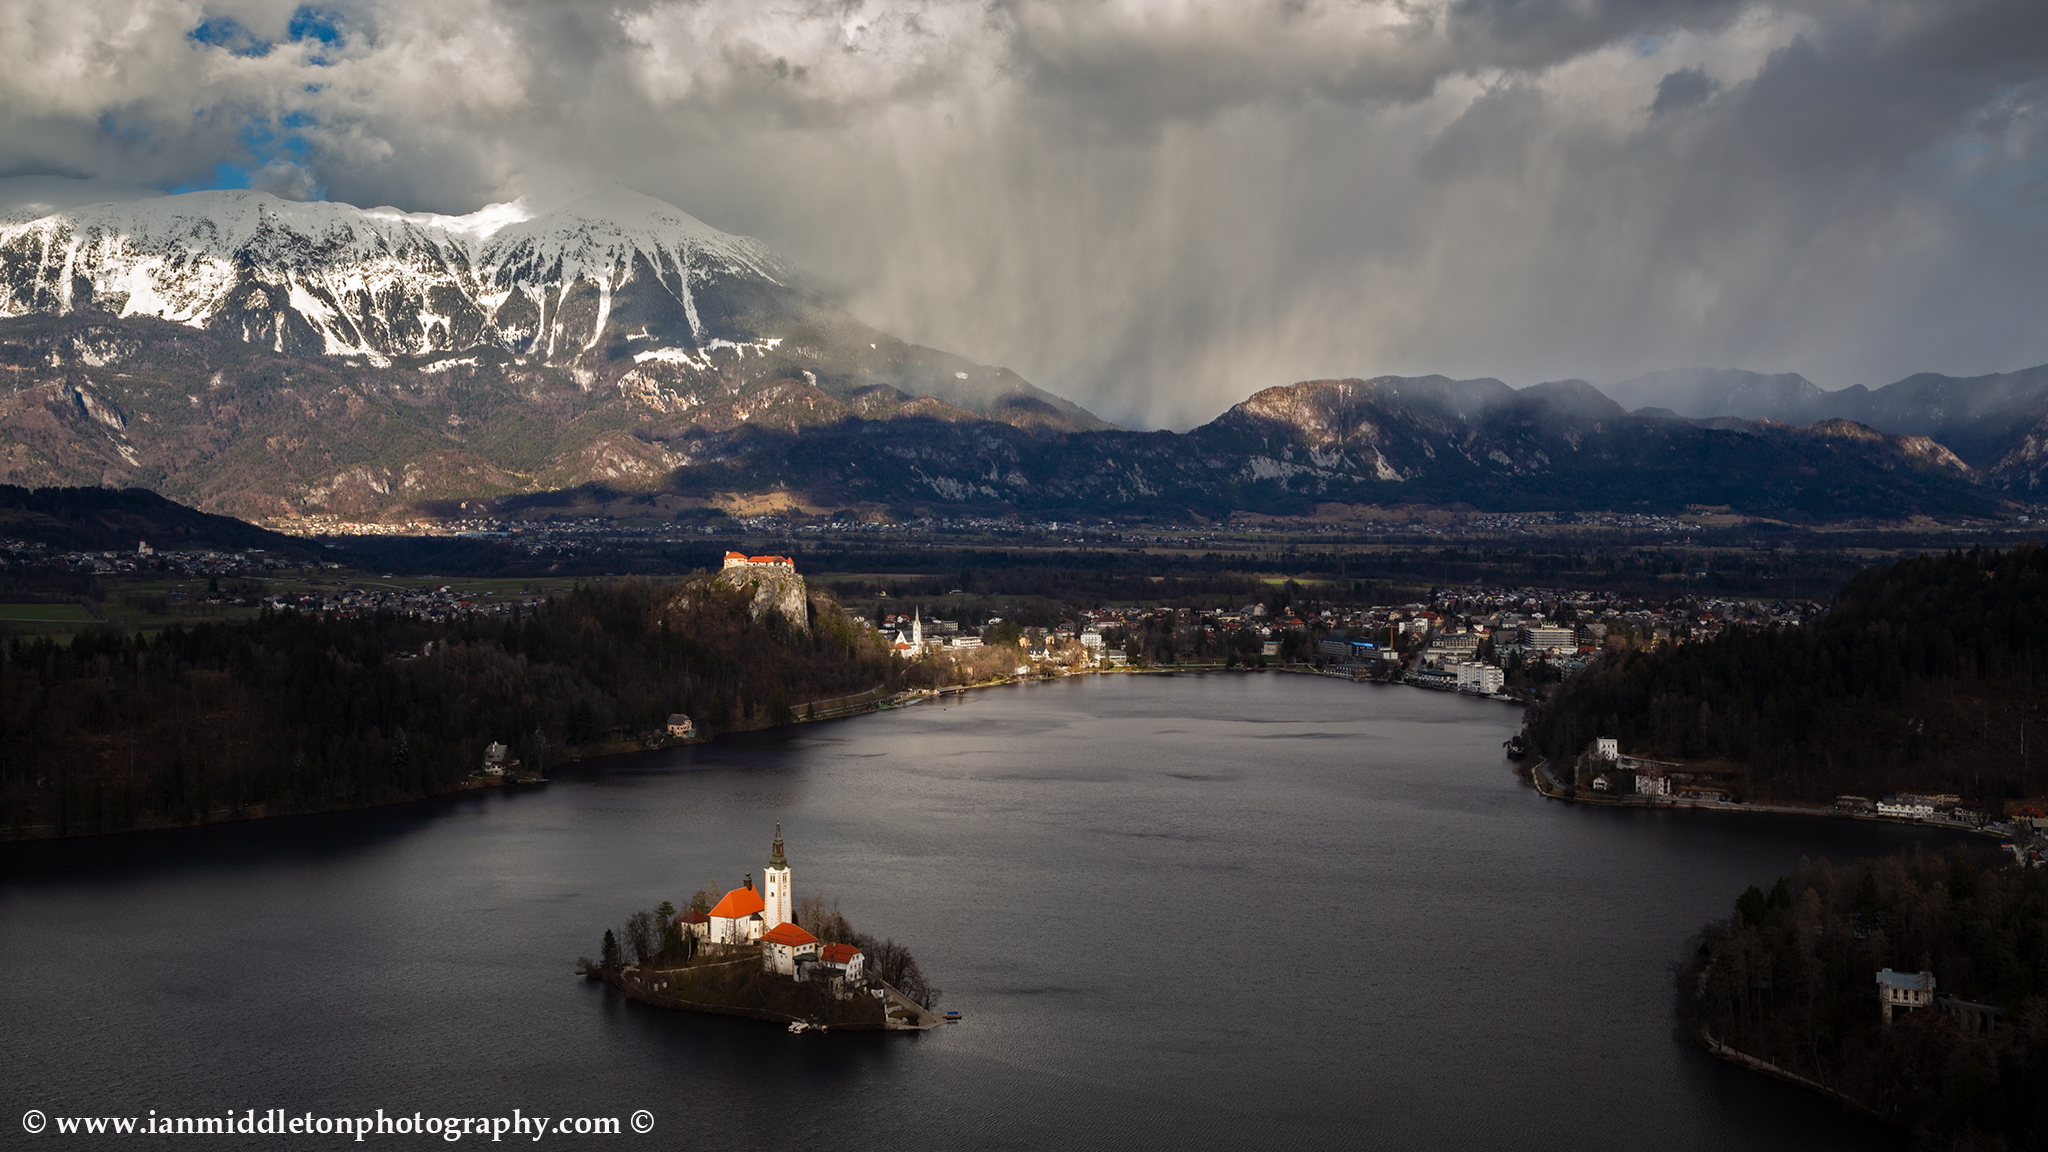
[[739, 904], [692, 916], [788, 933]]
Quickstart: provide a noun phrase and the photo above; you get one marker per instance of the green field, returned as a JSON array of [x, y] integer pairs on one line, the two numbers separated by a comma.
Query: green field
[[45, 613]]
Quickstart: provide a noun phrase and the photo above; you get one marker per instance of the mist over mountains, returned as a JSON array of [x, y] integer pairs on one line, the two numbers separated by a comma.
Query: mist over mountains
[[260, 356]]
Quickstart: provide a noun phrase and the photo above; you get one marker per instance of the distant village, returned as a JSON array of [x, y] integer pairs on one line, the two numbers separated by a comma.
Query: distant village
[[1464, 640]]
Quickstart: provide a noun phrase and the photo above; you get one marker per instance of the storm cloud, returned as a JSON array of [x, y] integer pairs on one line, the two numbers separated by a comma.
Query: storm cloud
[[1156, 207]]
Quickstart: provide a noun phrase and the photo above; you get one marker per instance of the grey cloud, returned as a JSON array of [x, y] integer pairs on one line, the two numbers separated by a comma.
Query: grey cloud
[[1490, 140], [1683, 89], [1156, 207]]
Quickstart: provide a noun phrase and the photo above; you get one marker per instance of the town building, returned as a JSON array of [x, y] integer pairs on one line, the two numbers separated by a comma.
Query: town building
[[1484, 679], [1607, 748], [1905, 807], [498, 760], [1903, 990], [912, 646], [1549, 637], [681, 727]]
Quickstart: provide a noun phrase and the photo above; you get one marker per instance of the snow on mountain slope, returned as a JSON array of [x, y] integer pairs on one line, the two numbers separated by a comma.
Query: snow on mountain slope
[[336, 279]]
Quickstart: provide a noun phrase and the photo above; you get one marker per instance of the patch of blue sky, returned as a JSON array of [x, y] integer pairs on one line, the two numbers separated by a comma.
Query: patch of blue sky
[[226, 32], [266, 145], [1647, 45], [319, 26], [310, 23], [226, 174]]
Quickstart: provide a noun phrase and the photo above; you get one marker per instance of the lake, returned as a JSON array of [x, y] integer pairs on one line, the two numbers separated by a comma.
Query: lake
[[1217, 910]]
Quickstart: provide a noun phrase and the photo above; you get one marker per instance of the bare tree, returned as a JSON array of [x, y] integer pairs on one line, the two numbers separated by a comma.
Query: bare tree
[[640, 935]]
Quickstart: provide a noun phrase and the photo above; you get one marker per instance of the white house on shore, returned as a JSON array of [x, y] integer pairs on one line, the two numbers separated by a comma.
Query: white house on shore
[[1903, 990]]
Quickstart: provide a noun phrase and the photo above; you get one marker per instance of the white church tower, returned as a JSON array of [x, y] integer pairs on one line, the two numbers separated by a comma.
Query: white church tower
[[775, 885]]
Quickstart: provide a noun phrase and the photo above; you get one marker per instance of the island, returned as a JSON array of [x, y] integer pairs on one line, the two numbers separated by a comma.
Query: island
[[757, 953]]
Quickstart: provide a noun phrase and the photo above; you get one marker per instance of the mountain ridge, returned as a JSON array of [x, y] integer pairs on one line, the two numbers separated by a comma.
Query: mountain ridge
[[606, 284], [274, 358]]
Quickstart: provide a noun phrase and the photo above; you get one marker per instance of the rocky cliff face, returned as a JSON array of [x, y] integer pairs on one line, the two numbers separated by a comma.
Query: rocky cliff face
[[771, 588], [766, 588]]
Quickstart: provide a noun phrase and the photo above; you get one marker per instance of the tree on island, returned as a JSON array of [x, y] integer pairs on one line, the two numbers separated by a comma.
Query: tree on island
[[640, 936], [610, 950]]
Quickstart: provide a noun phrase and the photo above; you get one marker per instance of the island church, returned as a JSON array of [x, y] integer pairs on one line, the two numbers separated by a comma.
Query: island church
[[747, 916]]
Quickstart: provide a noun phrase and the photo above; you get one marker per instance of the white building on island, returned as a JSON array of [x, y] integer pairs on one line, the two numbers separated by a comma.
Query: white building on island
[[775, 885], [737, 918], [765, 917], [785, 946]]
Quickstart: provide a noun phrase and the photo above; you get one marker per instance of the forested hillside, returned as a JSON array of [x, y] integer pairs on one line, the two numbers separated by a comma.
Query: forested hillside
[[1789, 979], [295, 712], [1922, 675]]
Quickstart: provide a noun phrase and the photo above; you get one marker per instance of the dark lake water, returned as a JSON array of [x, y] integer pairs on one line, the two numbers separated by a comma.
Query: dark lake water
[[1199, 911]]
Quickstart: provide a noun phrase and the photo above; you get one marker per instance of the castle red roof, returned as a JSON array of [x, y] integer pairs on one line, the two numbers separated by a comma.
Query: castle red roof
[[788, 933], [739, 904]]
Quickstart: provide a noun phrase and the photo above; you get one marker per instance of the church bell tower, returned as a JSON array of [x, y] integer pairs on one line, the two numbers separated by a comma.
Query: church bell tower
[[775, 883]]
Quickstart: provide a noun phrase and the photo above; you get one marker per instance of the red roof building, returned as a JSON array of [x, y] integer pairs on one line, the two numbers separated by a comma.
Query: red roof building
[[784, 944], [844, 957], [790, 934], [738, 904]]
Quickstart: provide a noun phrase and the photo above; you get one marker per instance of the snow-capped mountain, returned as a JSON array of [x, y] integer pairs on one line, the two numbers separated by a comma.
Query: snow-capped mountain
[[308, 278], [260, 356]]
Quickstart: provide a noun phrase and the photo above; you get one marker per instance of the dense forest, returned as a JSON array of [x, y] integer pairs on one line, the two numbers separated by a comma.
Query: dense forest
[[1790, 979], [1923, 675], [296, 712]]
